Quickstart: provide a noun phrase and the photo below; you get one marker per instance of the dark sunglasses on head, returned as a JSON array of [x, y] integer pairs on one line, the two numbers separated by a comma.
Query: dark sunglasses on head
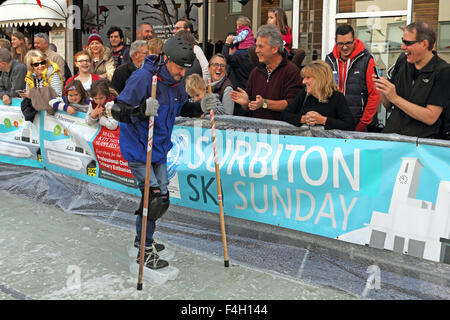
[[42, 63], [409, 42]]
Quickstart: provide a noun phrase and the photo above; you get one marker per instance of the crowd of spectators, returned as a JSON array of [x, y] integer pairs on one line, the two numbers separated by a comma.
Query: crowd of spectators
[[257, 74]]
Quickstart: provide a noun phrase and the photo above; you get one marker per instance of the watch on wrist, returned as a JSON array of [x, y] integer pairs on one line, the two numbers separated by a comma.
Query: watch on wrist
[[265, 104]]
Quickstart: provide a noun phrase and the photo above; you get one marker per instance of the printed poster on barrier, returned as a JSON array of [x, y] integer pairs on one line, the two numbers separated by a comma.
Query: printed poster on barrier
[[87, 152], [19, 139], [112, 166]]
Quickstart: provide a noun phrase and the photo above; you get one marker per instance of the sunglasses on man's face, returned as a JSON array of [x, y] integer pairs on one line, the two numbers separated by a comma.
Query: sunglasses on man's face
[[409, 43], [37, 64]]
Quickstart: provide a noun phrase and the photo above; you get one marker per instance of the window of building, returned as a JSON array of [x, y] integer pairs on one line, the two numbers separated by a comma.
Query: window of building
[[444, 35], [416, 248], [235, 7], [394, 35], [377, 239], [286, 5], [445, 250], [399, 244], [364, 34], [382, 36], [370, 6], [310, 29]]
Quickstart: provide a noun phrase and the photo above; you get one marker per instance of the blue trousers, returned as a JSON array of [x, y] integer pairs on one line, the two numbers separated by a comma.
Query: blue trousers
[[158, 178]]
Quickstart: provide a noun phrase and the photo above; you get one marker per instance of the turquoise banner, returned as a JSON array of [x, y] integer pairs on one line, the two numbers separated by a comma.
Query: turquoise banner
[[391, 195], [385, 194]]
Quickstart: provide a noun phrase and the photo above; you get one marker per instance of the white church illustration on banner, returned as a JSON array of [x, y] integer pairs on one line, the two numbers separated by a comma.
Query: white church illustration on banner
[[415, 227]]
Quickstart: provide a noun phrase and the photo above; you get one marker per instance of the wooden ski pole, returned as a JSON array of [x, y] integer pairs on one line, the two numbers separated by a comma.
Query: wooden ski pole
[[219, 188], [147, 188]]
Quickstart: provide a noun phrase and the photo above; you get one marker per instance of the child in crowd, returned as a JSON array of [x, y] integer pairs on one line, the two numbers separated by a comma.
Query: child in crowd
[[100, 106], [76, 99], [196, 89], [277, 16], [155, 46], [244, 34]]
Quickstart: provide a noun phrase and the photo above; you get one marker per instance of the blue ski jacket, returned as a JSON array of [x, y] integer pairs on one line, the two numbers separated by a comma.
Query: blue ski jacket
[[171, 96]]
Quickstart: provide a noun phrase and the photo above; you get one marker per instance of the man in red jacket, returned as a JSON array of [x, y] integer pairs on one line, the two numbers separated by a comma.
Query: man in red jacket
[[274, 82], [353, 66]]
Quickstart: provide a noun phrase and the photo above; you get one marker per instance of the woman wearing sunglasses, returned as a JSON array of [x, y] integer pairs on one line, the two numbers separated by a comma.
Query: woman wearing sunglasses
[[41, 73], [83, 62]]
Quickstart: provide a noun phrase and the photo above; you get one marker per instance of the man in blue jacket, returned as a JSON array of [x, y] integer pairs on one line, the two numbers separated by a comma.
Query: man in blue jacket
[[133, 108]]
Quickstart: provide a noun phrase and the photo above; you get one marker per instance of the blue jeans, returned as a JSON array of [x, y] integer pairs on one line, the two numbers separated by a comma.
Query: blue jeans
[[158, 178]]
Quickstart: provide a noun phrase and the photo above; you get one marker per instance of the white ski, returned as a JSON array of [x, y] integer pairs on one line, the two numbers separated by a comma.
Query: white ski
[[159, 276]]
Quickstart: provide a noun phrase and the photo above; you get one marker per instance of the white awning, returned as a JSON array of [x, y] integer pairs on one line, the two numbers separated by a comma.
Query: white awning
[[15, 13]]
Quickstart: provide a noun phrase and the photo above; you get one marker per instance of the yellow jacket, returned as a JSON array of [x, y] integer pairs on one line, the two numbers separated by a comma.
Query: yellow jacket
[[52, 70]]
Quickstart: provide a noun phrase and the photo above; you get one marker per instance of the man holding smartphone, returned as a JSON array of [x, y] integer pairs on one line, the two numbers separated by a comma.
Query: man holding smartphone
[[417, 89], [12, 78], [354, 66]]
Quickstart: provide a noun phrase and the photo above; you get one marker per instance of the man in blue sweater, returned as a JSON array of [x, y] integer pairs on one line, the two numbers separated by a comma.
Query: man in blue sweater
[[133, 108]]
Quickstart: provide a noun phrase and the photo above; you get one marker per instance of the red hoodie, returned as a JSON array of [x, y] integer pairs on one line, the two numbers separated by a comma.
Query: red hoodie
[[287, 38], [373, 99]]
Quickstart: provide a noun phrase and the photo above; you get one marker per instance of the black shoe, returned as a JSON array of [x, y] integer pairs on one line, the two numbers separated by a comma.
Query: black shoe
[[152, 260], [158, 246]]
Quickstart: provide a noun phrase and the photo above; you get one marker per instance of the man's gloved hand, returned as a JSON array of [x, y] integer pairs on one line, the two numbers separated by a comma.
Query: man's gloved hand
[[208, 102], [152, 106]]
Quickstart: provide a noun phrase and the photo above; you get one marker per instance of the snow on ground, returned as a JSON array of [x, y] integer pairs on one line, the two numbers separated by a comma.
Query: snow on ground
[[48, 254]]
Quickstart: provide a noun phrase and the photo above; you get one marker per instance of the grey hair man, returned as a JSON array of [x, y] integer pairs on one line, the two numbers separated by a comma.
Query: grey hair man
[[273, 37], [12, 78], [138, 53], [274, 82], [144, 31]]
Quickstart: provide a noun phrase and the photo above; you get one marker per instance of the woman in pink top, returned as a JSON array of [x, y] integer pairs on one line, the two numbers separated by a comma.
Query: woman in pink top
[[277, 16]]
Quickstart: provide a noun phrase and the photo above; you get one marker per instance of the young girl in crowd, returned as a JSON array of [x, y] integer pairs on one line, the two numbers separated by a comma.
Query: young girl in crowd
[[277, 16], [18, 47], [83, 62], [76, 99], [100, 106], [244, 34]]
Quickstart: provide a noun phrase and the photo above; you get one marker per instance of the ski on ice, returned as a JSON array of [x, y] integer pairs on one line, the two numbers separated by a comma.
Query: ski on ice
[[157, 276]]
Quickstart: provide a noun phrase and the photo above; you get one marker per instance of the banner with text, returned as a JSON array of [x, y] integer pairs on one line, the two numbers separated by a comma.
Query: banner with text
[[385, 194], [390, 195]]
